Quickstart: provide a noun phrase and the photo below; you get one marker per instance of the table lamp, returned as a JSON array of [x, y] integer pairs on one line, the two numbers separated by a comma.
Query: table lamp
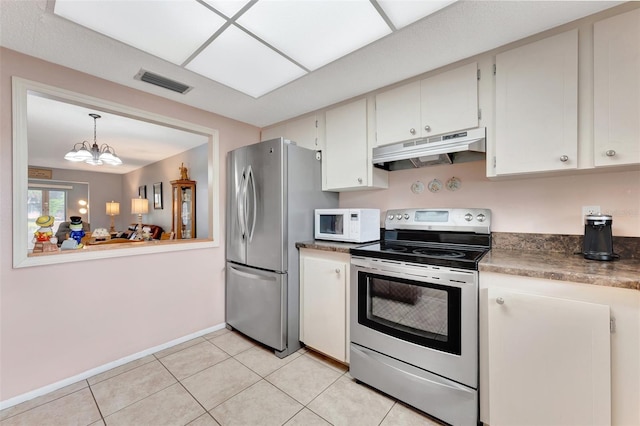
[[113, 209], [139, 206]]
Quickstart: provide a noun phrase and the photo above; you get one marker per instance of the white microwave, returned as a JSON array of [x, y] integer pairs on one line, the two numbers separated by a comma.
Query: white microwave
[[349, 225]]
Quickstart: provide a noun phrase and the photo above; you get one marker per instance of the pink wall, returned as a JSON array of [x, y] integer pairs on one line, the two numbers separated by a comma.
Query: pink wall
[[550, 205], [61, 320], [58, 321]]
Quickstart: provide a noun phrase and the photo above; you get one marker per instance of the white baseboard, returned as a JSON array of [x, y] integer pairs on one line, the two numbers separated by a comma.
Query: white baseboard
[[90, 373]]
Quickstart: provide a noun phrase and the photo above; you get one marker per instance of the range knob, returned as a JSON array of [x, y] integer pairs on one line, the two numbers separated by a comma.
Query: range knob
[[406, 216], [390, 217], [398, 216], [468, 217], [481, 217]]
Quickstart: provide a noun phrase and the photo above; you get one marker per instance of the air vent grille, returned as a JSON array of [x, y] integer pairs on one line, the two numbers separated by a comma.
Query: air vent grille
[[158, 80]]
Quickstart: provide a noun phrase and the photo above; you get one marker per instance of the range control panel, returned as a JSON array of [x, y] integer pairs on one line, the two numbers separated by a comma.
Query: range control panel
[[456, 220]]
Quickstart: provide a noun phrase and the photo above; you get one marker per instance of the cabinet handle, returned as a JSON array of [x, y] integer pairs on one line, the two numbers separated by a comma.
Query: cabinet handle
[[359, 180], [337, 270], [427, 128], [610, 153], [564, 158], [412, 131], [500, 301]]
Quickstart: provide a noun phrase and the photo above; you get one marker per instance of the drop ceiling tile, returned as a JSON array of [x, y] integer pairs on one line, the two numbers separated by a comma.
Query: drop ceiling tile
[[405, 12], [169, 29], [241, 62], [315, 32], [227, 7]]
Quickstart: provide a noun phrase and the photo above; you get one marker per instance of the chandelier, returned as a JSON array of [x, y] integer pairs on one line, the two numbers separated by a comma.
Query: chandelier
[[94, 154]]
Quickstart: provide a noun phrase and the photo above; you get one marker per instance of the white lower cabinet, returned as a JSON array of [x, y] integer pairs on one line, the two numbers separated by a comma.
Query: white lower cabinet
[[324, 302], [548, 360], [548, 355]]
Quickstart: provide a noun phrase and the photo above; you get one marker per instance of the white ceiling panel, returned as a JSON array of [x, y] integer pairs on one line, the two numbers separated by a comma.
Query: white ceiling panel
[[243, 63], [227, 7], [458, 31], [405, 12], [315, 32], [169, 29]]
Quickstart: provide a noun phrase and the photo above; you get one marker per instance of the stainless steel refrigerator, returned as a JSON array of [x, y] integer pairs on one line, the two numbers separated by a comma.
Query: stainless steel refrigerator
[[273, 188]]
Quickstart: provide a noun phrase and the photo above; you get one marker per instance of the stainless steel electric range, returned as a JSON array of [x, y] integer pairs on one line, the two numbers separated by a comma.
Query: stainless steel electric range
[[414, 310]]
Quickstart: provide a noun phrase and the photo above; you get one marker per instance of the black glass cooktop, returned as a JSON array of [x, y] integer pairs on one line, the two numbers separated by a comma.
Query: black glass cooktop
[[452, 250]]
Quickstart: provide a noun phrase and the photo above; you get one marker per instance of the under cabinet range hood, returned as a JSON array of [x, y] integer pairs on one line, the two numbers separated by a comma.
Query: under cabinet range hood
[[458, 147]]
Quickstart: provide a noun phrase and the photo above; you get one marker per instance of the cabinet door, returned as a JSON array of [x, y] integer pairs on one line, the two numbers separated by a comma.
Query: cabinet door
[[303, 132], [617, 90], [324, 314], [450, 101], [398, 114], [549, 360], [346, 151], [273, 132], [537, 106]]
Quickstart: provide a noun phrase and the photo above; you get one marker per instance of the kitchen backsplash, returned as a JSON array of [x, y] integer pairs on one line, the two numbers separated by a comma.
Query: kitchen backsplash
[[541, 204], [625, 247]]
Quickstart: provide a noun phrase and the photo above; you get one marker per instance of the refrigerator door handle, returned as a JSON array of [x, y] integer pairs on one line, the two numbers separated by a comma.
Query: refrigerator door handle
[[241, 204], [251, 179]]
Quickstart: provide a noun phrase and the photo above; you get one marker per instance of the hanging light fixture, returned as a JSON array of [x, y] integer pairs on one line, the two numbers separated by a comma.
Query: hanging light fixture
[[94, 155]]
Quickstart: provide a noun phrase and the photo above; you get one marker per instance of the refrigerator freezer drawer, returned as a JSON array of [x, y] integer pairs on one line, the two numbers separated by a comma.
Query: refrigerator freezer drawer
[[256, 304]]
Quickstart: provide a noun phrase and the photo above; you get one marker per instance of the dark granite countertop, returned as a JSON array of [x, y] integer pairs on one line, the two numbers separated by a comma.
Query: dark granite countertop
[[622, 273], [331, 245], [543, 256]]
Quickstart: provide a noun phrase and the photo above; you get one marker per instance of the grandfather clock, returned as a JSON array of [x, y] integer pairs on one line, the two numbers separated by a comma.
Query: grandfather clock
[[184, 208]]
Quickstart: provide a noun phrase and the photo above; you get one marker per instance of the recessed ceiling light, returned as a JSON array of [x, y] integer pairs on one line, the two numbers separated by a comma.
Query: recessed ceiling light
[[405, 12], [171, 30], [239, 61], [315, 32], [272, 43]]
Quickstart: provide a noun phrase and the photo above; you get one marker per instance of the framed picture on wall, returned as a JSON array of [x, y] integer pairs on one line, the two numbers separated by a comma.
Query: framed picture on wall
[[142, 191], [157, 195]]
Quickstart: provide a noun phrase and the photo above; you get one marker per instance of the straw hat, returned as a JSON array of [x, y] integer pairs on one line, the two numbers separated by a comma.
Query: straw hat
[[45, 221]]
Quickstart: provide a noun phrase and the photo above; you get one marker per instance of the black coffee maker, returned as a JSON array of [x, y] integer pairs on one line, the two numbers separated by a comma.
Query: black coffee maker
[[598, 240]]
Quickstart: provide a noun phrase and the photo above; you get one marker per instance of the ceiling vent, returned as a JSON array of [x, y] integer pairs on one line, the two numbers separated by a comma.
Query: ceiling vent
[[158, 80]]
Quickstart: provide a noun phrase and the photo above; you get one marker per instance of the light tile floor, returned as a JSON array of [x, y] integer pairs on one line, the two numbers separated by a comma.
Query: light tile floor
[[220, 378]]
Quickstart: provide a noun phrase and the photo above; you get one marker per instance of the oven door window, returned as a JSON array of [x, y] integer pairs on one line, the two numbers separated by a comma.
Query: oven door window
[[422, 313]]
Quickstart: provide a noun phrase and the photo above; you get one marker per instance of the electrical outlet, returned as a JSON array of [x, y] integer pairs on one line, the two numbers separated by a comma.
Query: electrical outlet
[[590, 210]]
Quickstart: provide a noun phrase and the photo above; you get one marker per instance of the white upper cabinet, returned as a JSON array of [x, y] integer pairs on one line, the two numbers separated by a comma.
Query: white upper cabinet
[[347, 158], [398, 114], [617, 90], [304, 131], [537, 106], [444, 103], [449, 101], [273, 132]]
